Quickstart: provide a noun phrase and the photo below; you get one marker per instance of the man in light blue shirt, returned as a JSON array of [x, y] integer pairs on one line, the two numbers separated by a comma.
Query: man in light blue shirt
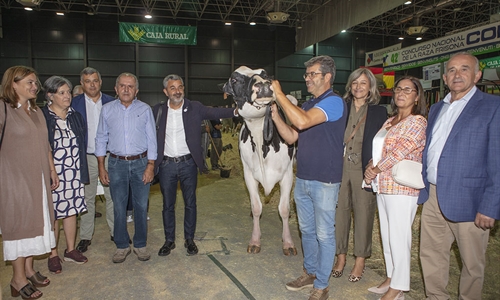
[[127, 131]]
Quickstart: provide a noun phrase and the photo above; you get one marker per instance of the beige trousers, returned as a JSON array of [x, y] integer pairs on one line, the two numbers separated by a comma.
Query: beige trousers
[[436, 237], [361, 204]]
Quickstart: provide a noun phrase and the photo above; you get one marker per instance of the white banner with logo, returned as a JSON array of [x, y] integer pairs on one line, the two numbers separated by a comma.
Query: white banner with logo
[[377, 57], [476, 41]]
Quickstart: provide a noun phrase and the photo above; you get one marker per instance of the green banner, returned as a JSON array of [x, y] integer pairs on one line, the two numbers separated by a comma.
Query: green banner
[[489, 63], [154, 33]]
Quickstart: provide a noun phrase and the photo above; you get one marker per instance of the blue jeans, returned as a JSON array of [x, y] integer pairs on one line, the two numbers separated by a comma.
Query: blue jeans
[[125, 177], [316, 202], [170, 174]]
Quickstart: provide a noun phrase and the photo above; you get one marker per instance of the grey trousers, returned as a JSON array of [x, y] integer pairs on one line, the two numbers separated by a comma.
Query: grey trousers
[[87, 219]]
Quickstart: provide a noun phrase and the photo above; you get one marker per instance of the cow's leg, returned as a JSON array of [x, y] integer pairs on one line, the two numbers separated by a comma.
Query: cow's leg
[[284, 210], [253, 190]]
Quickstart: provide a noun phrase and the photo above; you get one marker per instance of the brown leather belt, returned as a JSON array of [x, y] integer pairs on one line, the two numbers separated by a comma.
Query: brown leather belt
[[131, 157]]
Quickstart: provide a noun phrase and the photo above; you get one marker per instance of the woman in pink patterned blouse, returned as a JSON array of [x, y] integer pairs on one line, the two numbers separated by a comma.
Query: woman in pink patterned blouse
[[401, 137]]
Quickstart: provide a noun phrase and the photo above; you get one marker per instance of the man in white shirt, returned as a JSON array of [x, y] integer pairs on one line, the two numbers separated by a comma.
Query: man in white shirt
[[89, 105]]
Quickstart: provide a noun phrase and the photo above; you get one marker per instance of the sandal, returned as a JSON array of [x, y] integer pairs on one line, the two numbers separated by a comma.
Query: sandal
[[25, 292], [55, 265], [39, 280]]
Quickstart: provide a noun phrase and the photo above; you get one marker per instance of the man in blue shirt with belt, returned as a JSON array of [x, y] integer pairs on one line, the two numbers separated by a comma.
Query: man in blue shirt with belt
[[319, 129], [127, 131]]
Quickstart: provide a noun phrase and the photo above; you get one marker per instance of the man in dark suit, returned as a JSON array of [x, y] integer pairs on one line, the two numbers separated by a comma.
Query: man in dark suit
[[180, 156], [461, 171], [89, 105]]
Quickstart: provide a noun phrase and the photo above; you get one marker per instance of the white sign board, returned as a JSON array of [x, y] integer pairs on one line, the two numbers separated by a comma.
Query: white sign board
[[476, 41], [432, 72], [377, 57]]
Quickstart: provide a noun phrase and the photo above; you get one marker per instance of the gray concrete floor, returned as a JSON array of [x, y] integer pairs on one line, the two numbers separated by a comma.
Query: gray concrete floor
[[221, 270]]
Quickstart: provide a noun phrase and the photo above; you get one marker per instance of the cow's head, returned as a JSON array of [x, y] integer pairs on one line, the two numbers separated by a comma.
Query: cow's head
[[250, 86]]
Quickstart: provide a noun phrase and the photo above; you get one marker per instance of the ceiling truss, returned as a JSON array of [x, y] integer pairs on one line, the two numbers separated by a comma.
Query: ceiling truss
[[439, 16]]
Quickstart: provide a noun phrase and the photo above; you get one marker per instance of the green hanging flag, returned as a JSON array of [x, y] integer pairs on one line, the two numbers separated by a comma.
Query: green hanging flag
[[154, 33]]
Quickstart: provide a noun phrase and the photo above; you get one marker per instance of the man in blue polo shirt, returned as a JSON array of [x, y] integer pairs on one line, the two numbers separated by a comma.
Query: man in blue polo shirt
[[319, 129]]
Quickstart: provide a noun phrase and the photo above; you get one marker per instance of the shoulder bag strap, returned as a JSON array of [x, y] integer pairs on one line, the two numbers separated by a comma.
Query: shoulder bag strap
[[158, 115], [4, 123], [355, 129]]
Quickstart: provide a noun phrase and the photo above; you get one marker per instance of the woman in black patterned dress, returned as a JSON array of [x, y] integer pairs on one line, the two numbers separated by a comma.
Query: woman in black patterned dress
[[67, 136]]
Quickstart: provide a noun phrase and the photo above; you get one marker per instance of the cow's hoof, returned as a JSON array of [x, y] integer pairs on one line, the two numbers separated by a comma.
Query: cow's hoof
[[253, 249], [290, 251]]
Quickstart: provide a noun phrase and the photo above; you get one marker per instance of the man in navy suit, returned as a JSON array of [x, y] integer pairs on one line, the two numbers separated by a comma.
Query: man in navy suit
[[461, 171], [180, 155], [89, 104]]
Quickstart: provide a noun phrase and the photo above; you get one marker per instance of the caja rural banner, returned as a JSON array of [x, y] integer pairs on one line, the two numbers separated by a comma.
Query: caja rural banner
[[476, 41], [154, 33]]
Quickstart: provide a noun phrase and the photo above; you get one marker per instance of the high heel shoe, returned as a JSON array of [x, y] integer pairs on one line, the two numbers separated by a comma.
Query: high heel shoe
[[379, 290], [399, 296], [354, 278], [338, 274], [25, 292]]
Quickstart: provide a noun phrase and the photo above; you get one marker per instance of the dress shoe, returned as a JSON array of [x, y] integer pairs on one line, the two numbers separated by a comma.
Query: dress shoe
[[191, 247], [379, 290], [166, 248], [83, 245]]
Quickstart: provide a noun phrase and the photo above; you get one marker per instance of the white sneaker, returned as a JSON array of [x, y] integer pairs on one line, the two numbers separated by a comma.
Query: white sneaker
[[129, 219]]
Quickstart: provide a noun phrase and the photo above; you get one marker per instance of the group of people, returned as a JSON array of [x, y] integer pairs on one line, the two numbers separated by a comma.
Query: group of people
[[51, 160], [346, 151]]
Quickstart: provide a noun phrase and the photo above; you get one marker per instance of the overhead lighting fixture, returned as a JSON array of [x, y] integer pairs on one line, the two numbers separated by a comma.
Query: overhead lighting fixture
[[60, 13], [148, 16], [253, 23], [28, 8], [401, 38], [227, 23], [419, 38], [407, 3]]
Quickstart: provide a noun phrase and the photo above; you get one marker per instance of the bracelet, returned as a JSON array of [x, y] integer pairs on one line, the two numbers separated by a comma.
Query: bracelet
[[151, 163]]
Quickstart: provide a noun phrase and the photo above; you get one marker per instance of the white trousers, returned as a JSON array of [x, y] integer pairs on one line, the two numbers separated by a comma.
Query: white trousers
[[396, 213]]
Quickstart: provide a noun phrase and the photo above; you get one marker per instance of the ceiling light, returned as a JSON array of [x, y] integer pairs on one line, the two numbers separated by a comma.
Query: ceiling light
[[419, 38], [227, 23], [60, 13], [252, 23], [407, 2], [28, 8], [148, 16], [401, 38]]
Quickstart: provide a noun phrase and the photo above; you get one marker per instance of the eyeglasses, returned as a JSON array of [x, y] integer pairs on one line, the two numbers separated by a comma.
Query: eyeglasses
[[406, 90], [312, 74]]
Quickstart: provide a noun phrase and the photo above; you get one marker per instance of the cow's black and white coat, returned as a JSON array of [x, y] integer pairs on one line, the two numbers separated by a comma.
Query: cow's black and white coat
[[266, 158]]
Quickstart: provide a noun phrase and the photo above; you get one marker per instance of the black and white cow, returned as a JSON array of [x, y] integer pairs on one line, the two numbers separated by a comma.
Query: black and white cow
[[266, 158]]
